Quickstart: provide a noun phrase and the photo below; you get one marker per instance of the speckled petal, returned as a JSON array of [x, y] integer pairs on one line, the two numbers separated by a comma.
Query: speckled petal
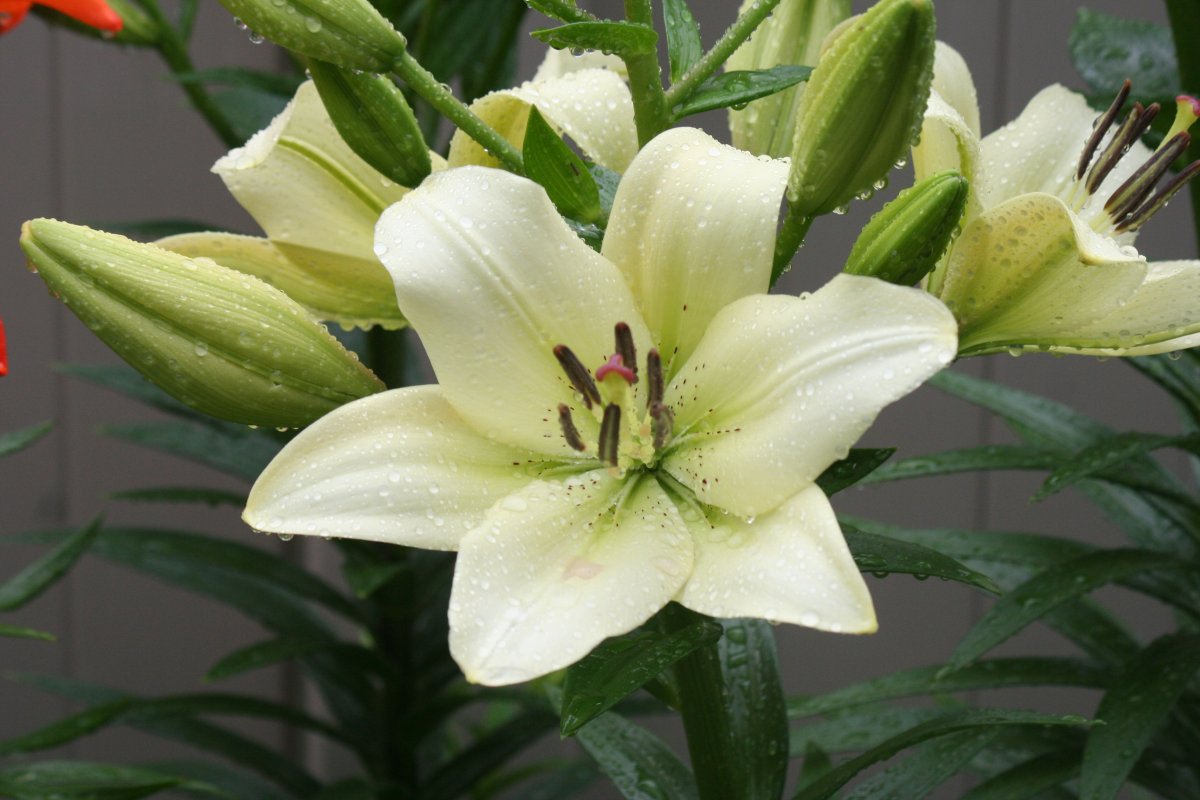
[[781, 387], [556, 568], [493, 279], [592, 106], [693, 229], [790, 565], [398, 467]]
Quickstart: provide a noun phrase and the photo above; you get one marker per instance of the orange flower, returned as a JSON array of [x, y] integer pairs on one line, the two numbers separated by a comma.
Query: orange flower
[[3, 351], [95, 13]]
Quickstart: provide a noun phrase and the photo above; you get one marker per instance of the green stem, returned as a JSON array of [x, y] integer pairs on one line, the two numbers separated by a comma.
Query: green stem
[[711, 61], [705, 715], [173, 50], [645, 80], [791, 236], [1185, 21], [426, 84]]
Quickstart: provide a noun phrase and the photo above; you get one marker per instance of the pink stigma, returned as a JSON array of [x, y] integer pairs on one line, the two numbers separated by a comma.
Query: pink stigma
[[1192, 101], [616, 363]]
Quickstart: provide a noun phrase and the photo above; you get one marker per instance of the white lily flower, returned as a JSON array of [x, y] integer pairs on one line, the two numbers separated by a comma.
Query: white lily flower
[[612, 431], [1046, 260]]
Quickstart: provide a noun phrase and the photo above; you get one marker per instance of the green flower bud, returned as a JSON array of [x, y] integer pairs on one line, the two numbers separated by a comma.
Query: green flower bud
[[863, 106], [220, 341], [349, 33], [791, 35], [904, 241]]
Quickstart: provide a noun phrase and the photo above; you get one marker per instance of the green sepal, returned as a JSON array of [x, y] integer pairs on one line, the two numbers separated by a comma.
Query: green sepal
[[564, 176], [736, 89], [624, 39]]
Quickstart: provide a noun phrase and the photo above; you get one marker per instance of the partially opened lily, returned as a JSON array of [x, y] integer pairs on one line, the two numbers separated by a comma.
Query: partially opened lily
[[612, 431], [1046, 259], [94, 13]]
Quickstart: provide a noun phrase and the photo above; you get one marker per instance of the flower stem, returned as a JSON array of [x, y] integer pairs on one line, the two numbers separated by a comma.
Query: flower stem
[[1185, 21], [791, 236], [645, 80], [426, 84], [711, 61]]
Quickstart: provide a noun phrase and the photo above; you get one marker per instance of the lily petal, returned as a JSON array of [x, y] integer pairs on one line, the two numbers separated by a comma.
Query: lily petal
[[953, 83], [493, 279], [693, 229], [557, 63], [1029, 272], [592, 106], [352, 292], [791, 565], [398, 467], [556, 568], [780, 387]]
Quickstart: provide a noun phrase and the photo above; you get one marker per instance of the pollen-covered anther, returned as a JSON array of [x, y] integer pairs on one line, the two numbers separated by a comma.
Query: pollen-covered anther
[[654, 377], [578, 375], [610, 435], [662, 420], [569, 431]]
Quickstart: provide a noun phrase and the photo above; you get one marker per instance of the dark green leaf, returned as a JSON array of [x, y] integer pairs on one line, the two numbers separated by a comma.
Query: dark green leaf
[[77, 780], [816, 763], [567, 782], [366, 578], [248, 109], [928, 768], [638, 763], [263, 654], [15, 632], [243, 453], [1029, 778], [550, 162], [283, 84], [1110, 452], [739, 87], [971, 719], [128, 382], [881, 555], [621, 665], [15, 441], [1177, 374], [607, 181], [182, 494], [1134, 709], [758, 727], [1106, 50], [624, 39], [65, 730], [999, 673], [972, 459], [684, 47], [561, 10], [235, 784], [148, 230], [853, 468], [1051, 588], [487, 754], [41, 574], [861, 728]]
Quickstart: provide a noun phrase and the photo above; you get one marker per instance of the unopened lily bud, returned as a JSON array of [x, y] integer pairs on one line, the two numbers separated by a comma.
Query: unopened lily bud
[[904, 241], [220, 341], [349, 33], [791, 35], [863, 106]]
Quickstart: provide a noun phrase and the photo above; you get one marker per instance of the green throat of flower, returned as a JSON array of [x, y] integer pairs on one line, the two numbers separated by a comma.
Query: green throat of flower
[[1140, 196], [634, 430]]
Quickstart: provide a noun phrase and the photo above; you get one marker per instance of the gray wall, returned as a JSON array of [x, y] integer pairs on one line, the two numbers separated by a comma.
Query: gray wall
[[92, 133]]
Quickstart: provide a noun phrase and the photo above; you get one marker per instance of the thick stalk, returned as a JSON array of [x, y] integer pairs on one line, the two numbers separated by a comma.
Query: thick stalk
[[645, 80], [790, 237], [426, 84], [711, 61], [1185, 21]]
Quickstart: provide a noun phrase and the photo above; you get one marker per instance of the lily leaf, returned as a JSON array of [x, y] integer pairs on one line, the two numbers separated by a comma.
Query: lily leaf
[[638, 763], [852, 469], [1108, 49], [182, 494], [624, 39], [758, 728], [18, 440], [243, 453], [1029, 778], [561, 10], [79, 780], [929, 767], [1110, 452], [880, 555], [737, 88], [17, 632], [551, 163], [684, 47], [41, 574]]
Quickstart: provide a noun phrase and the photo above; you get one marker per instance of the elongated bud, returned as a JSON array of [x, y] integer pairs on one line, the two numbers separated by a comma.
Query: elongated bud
[[791, 35], [375, 120], [863, 106], [904, 241], [222, 342], [349, 33]]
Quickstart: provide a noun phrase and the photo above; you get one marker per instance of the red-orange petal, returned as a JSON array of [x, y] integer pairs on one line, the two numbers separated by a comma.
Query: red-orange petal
[[11, 14], [93, 13], [3, 351]]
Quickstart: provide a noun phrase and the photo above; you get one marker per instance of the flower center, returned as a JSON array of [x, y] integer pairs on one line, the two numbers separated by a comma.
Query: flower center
[[1139, 197], [633, 429]]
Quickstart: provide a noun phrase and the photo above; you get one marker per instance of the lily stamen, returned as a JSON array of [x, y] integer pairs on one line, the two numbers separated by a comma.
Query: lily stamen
[[654, 372], [625, 348], [1141, 183], [1137, 123], [578, 375], [570, 432], [610, 435], [662, 420], [1100, 127]]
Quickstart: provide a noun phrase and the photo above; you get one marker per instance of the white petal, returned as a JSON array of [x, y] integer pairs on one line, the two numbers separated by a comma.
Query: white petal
[[398, 467], [693, 229], [1029, 272], [790, 565], [952, 81], [493, 279], [304, 186], [551, 572], [592, 106], [781, 387], [563, 62], [349, 291]]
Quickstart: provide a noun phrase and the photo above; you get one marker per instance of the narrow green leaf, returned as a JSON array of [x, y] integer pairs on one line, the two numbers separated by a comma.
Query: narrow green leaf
[[65, 730], [852, 469], [565, 783], [487, 754], [561, 10], [816, 763], [366, 578], [280, 83], [684, 47], [1051, 588], [1175, 373], [43, 573], [18, 440], [971, 719], [624, 39], [78, 780], [16, 632], [148, 230], [881, 555], [182, 494], [128, 382], [551, 163], [862, 728], [1108, 453], [248, 109], [929, 767], [1108, 49], [638, 763], [621, 665], [1134, 709], [242, 453], [1030, 778], [262, 654], [235, 784], [1000, 673], [971, 459], [758, 727], [737, 88]]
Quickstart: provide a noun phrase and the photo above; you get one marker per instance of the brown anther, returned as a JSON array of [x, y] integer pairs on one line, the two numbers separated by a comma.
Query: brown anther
[[625, 348], [654, 378], [1146, 210], [1099, 128], [1137, 123], [1141, 183], [578, 375], [610, 434], [570, 432], [662, 420]]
